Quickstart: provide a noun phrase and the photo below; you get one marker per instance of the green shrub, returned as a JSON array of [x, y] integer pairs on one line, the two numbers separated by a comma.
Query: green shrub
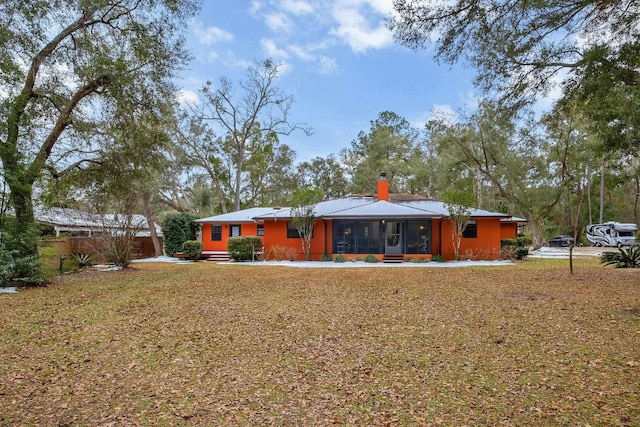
[[514, 248], [524, 241], [437, 258], [508, 242], [118, 250], [629, 258], [192, 249], [177, 229], [83, 260], [521, 252], [371, 259], [244, 248], [327, 257], [339, 258]]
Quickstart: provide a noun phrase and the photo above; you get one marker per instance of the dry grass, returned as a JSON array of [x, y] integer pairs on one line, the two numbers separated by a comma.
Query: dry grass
[[209, 344]]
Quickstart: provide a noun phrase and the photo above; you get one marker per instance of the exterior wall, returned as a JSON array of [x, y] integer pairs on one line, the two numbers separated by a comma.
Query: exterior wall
[[275, 239], [508, 230], [485, 246], [246, 229]]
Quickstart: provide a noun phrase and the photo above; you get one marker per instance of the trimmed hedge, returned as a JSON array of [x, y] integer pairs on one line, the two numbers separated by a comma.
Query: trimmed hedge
[[192, 249], [244, 248]]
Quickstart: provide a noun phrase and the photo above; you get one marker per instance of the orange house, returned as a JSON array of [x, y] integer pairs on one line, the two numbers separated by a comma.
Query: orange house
[[392, 227]]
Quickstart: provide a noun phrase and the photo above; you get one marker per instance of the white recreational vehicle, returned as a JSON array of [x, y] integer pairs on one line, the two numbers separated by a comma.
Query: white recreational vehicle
[[612, 234]]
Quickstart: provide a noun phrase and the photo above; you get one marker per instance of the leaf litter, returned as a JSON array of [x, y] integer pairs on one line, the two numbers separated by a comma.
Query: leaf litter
[[226, 345]]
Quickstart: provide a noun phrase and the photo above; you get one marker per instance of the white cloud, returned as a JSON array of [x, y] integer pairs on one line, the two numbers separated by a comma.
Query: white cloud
[[186, 96], [439, 112], [356, 29], [232, 61], [211, 35], [328, 65], [301, 52], [256, 7], [271, 50], [278, 22], [297, 7]]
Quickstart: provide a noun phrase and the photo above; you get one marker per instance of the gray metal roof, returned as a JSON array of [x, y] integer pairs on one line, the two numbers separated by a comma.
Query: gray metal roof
[[65, 219], [441, 208], [383, 209], [352, 207], [244, 215], [514, 219]]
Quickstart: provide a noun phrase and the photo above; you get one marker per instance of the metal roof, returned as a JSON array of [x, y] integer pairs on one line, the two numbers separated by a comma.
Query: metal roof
[[353, 207], [65, 219], [383, 209], [244, 215]]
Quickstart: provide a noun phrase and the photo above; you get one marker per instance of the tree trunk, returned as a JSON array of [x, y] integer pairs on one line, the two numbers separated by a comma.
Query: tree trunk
[[536, 231], [157, 247], [23, 240]]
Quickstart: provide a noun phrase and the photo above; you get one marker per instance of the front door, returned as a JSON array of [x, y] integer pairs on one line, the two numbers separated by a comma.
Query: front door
[[393, 238]]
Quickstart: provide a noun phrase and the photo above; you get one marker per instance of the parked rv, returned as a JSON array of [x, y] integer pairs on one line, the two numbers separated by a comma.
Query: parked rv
[[612, 234]]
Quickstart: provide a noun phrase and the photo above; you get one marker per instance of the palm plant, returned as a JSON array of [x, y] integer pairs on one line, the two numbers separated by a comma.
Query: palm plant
[[629, 258]]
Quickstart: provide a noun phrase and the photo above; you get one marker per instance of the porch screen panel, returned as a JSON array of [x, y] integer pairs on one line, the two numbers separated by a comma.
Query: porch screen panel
[[368, 240], [344, 237], [418, 237]]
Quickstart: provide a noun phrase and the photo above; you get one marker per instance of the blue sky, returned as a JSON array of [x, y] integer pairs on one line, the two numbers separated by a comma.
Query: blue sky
[[339, 62]]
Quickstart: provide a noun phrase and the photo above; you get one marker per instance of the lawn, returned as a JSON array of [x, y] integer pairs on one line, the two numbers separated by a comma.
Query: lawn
[[207, 344]]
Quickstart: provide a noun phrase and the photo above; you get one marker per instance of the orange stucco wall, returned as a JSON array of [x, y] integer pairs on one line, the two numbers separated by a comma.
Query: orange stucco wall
[[485, 246], [246, 228], [508, 230], [275, 235]]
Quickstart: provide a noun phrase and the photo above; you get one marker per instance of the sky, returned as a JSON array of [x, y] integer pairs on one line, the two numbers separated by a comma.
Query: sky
[[338, 60]]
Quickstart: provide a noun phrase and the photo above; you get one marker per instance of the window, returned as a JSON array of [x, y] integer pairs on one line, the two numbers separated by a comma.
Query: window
[[344, 237], [292, 231], [216, 233], [235, 230], [418, 237], [471, 230], [368, 237], [260, 230]]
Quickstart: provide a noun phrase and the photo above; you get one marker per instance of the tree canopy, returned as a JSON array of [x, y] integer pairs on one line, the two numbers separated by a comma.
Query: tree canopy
[[521, 48], [69, 68]]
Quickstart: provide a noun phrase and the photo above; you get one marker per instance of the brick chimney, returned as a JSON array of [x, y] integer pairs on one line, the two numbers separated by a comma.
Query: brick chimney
[[383, 187]]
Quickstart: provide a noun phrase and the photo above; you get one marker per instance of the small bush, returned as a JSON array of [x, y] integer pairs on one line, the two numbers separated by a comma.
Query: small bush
[[437, 258], [277, 252], [118, 250], [629, 258], [508, 252], [508, 242], [515, 248], [82, 260], [192, 249], [244, 248], [524, 241], [339, 258], [371, 259], [521, 252], [291, 254], [327, 257]]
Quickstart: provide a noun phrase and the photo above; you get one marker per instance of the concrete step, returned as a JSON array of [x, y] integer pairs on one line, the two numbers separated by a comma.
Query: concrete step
[[393, 258]]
